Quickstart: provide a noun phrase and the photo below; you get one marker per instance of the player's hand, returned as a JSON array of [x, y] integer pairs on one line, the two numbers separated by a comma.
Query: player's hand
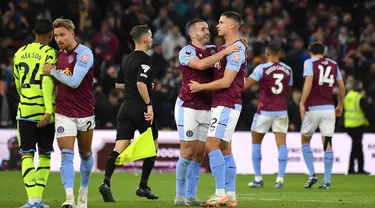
[[195, 86], [149, 116], [302, 111], [42, 123], [244, 41], [47, 69], [338, 111], [232, 48]]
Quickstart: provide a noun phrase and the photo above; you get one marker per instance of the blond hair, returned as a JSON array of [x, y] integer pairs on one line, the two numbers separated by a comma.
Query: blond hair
[[65, 23]]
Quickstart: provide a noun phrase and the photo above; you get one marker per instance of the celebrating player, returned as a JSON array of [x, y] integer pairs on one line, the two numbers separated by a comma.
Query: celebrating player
[[136, 111], [274, 77], [192, 110], [35, 115], [226, 108], [317, 109], [74, 108]]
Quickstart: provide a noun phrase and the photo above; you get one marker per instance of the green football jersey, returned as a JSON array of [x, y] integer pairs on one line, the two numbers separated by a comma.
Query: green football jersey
[[36, 91]]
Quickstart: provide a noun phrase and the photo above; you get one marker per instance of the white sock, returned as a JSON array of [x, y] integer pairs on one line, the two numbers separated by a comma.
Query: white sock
[[231, 196], [83, 190], [220, 192], [69, 193], [280, 179], [258, 178], [33, 200]]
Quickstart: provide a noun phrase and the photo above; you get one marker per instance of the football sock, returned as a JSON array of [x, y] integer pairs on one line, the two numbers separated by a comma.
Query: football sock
[[193, 172], [217, 164], [257, 158], [28, 175], [67, 171], [87, 162], [42, 174], [328, 163], [309, 158], [230, 173], [283, 160], [181, 171], [110, 167]]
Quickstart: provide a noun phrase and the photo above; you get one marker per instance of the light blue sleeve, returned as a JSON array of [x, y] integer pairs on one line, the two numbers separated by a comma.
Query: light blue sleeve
[[308, 68], [257, 73], [339, 76], [186, 54], [291, 78], [236, 59], [85, 61]]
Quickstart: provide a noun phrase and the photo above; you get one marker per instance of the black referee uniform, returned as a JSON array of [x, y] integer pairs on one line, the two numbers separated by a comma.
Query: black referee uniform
[[135, 67]]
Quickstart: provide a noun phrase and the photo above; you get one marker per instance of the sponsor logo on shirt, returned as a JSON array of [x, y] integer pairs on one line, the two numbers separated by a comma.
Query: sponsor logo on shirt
[[236, 57], [145, 67], [188, 52], [70, 59], [85, 58]]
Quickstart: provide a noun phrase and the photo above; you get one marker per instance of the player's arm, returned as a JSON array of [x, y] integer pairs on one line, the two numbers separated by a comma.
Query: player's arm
[[16, 74], [234, 62], [341, 95], [144, 74], [85, 61], [308, 74], [203, 64], [290, 84], [120, 82], [48, 85], [254, 77]]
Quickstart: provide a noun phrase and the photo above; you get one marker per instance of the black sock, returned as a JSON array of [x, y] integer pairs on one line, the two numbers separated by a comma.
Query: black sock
[[148, 164], [110, 167]]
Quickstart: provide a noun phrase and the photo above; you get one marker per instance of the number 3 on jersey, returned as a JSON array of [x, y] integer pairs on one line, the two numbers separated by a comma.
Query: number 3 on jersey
[[325, 76], [26, 83], [279, 85]]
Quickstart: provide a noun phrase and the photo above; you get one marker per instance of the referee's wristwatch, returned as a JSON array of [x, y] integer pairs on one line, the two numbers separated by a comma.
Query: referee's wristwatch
[[150, 103]]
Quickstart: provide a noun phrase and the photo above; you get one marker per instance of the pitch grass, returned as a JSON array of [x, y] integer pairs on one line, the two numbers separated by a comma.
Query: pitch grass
[[347, 191]]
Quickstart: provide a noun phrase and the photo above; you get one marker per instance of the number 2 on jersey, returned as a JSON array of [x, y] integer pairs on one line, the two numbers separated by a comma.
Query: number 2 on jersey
[[278, 83], [325, 75], [26, 68]]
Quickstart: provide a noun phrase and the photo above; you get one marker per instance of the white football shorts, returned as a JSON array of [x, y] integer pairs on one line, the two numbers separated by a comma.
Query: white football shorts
[[191, 124], [263, 123], [223, 122], [324, 119], [68, 126]]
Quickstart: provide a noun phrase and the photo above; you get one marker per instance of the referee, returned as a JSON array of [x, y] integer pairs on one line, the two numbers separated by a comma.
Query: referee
[[136, 112]]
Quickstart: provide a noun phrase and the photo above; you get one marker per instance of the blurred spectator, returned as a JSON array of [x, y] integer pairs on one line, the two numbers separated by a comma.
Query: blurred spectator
[[171, 41], [7, 106], [106, 45]]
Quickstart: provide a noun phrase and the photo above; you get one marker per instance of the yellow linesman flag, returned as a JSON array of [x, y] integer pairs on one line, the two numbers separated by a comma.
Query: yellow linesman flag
[[142, 147]]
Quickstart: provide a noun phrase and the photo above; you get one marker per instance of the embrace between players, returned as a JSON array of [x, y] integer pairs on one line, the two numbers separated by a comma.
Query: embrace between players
[[209, 105]]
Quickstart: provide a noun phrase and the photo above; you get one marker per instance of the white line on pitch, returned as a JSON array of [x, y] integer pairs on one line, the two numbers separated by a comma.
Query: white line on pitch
[[310, 193], [307, 200]]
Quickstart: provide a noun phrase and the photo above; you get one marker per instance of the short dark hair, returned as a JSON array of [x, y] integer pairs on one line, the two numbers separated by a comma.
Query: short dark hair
[[317, 48], [43, 27], [274, 48], [233, 15], [192, 22], [138, 31]]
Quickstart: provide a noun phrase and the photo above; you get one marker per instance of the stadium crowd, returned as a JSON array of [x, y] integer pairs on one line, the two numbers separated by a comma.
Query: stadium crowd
[[345, 27]]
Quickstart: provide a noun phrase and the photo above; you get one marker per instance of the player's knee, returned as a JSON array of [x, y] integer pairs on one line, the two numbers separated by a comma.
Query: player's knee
[[85, 155], [305, 139], [212, 144], [187, 153]]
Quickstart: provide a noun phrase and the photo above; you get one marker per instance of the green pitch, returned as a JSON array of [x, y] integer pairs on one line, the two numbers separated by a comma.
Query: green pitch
[[347, 191]]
